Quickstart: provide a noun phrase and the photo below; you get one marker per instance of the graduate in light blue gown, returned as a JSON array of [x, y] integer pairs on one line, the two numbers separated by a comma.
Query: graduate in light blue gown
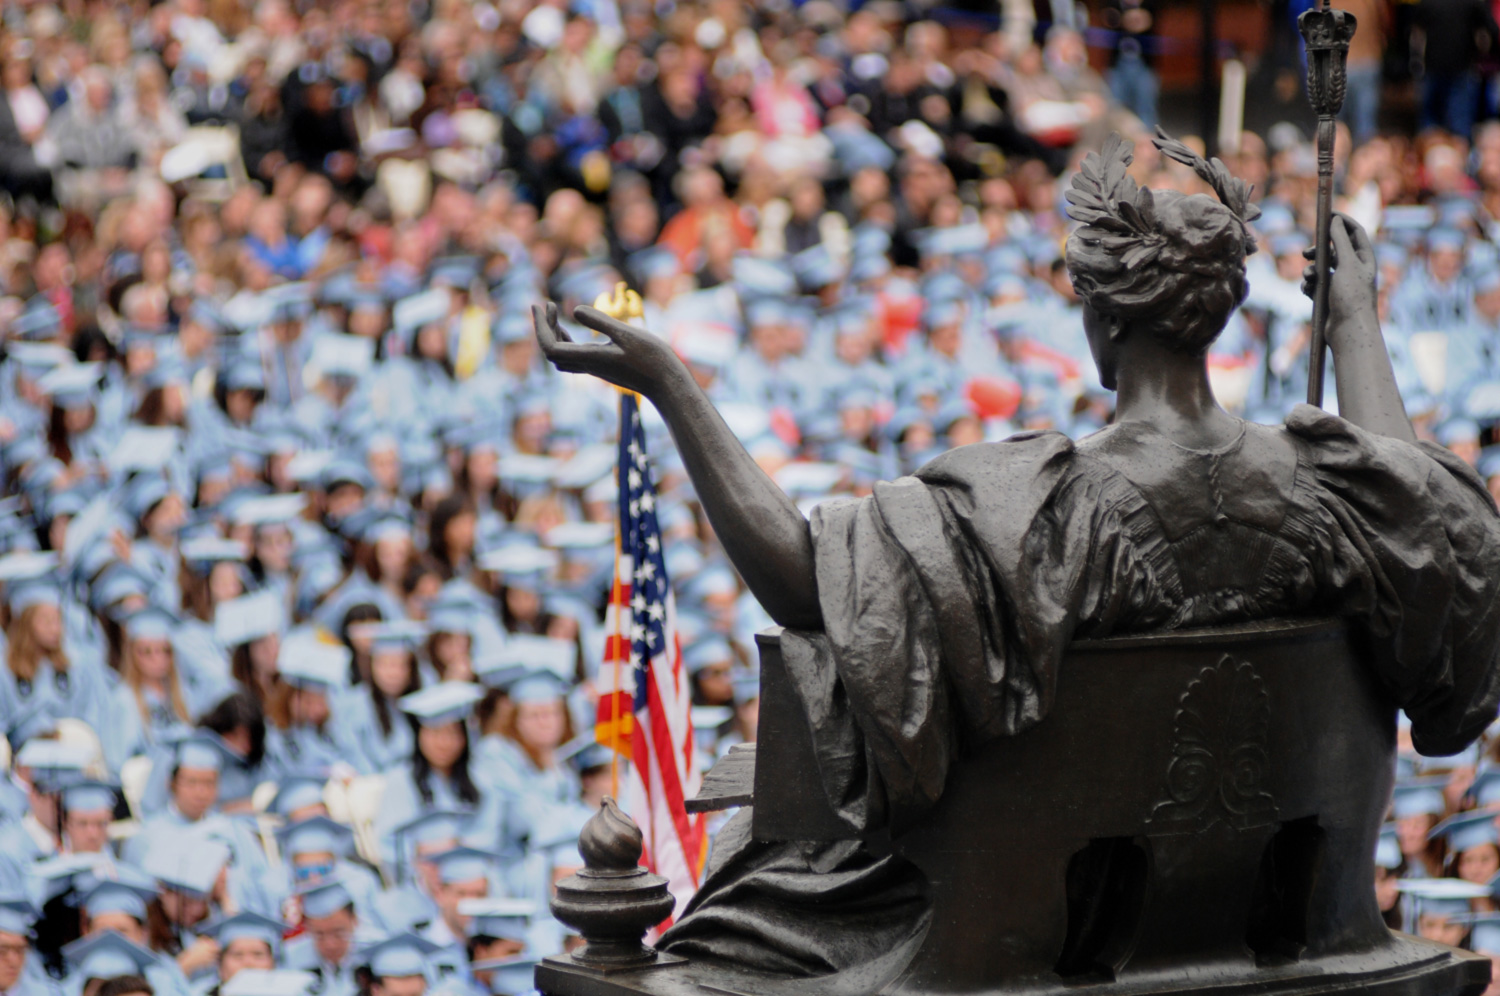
[[520, 761], [463, 874], [189, 782], [21, 970], [501, 952], [368, 716], [401, 958], [316, 850], [302, 735], [246, 941], [109, 955], [119, 906], [39, 682], [147, 707], [438, 774], [410, 904], [332, 931]]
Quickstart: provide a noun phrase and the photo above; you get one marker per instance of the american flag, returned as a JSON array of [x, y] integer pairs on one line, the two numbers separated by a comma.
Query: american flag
[[646, 698]]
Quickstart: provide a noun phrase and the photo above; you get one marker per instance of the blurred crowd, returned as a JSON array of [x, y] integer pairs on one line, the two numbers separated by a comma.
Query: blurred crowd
[[305, 550]]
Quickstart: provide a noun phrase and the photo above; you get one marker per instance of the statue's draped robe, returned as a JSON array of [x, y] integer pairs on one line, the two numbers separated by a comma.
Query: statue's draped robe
[[950, 597]]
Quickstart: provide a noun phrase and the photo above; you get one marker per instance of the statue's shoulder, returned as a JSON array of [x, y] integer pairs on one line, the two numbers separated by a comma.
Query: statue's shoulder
[[1040, 451]]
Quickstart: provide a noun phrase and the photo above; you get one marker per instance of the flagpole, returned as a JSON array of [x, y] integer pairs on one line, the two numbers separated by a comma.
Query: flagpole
[[623, 305]]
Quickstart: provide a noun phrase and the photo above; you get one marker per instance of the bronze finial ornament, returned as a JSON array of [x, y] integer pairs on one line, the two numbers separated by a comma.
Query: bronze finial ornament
[[1327, 33]]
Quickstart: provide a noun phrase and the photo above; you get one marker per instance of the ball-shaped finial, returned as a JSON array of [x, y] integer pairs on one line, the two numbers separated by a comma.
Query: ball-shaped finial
[[610, 840]]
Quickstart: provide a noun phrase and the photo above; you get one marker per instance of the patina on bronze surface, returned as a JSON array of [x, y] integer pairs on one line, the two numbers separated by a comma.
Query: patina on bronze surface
[[1110, 716]]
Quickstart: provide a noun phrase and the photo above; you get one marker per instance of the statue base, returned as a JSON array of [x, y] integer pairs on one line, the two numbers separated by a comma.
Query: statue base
[[1408, 966]]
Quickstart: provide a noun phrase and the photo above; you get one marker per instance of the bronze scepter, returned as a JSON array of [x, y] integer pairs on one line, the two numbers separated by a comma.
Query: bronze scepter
[[1326, 32]]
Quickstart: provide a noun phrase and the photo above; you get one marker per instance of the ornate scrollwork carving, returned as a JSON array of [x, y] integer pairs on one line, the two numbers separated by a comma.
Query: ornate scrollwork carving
[[1219, 753]]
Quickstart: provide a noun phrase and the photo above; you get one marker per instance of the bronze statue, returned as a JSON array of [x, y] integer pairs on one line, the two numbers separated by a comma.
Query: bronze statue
[[943, 637]]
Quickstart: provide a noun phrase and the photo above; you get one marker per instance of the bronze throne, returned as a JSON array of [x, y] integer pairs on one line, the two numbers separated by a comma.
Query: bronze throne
[[1197, 814]]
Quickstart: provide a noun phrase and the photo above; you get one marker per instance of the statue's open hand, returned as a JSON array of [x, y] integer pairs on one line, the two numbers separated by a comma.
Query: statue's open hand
[[1351, 284], [633, 358]]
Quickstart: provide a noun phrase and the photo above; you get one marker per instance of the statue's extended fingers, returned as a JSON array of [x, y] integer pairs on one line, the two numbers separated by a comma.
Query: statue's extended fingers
[[1358, 238], [617, 331]]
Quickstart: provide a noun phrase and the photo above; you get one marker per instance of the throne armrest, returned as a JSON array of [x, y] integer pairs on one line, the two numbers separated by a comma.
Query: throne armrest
[[789, 800]]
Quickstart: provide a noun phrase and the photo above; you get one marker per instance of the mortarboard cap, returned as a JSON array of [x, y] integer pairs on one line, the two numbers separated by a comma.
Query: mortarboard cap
[[269, 982], [71, 385], [119, 895], [443, 703], [325, 898], [248, 924], [1442, 896], [437, 827], [1445, 238], [297, 791], [308, 661], [187, 862], [1467, 830], [17, 915], [1419, 797], [518, 561], [26, 565], [510, 976], [339, 355], [315, 835], [1388, 849], [106, 955], [498, 917], [150, 623], [52, 762], [1484, 932], [706, 651], [202, 751], [464, 864], [249, 617], [90, 796], [403, 955]]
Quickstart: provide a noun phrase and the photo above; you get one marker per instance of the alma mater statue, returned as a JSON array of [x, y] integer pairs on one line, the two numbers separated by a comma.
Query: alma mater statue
[[1116, 714]]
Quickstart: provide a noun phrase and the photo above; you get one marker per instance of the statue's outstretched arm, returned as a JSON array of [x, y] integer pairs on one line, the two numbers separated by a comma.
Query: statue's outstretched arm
[[762, 531], [1368, 396]]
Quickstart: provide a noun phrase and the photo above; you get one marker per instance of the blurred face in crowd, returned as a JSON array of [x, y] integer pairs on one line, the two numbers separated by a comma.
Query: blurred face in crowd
[[194, 791], [540, 725], [308, 707], [273, 548], [124, 924], [1386, 893], [183, 909], [405, 985], [389, 670], [442, 746], [47, 627], [244, 952], [332, 935], [1445, 264], [87, 831], [1439, 927], [13, 949], [152, 659], [1479, 864], [715, 684], [450, 894]]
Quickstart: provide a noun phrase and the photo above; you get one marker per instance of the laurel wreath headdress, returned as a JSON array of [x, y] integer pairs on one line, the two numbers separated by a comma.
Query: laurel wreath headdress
[[1121, 217]]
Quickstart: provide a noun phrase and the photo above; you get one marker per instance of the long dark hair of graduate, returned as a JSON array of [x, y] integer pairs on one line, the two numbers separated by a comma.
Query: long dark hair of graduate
[[383, 705], [421, 769], [234, 711]]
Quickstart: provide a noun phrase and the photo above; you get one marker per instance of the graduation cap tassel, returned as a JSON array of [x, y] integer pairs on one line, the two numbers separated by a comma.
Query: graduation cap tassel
[[1327, 33]]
